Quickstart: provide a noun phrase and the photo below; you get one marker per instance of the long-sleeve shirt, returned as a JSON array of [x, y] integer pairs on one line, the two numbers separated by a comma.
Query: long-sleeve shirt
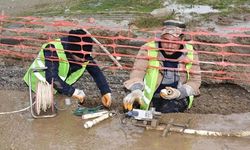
[[60, 85], [187, 87]]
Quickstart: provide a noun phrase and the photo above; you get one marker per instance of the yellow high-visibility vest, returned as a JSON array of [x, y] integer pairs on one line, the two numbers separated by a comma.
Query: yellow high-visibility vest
[[152, 72], [63, 68]]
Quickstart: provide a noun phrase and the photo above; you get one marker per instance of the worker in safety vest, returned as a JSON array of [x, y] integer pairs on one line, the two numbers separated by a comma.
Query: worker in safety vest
[[166, 73], [66, 59]]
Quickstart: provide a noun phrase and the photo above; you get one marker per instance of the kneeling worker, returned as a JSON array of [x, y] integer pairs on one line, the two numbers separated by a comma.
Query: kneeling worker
[[70, 62], [170, 89]]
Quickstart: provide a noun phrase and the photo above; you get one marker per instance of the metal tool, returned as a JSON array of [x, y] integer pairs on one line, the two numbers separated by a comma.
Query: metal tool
[[143, 118]]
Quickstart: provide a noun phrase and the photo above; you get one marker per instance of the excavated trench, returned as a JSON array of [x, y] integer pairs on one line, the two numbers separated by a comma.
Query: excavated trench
[[224, 98]]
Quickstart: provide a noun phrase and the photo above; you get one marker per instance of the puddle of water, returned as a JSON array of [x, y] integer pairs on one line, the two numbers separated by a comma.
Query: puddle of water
[[187, 9], [65, 131]]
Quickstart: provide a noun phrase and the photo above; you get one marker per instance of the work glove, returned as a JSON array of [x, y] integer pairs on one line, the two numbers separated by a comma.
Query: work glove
[[106, 99], [134, 96], [79, 95], [170, 93]]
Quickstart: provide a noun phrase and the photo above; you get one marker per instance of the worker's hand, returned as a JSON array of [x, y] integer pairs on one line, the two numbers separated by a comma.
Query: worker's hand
[[170, 93], [79, 95], [129, 100], [106, 99]]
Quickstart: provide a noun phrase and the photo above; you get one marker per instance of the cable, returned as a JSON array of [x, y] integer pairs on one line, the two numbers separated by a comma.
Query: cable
[[16, 111]]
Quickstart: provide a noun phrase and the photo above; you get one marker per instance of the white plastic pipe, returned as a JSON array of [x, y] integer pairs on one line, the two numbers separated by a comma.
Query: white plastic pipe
[[202, 132], [93, 115], [91, 123]]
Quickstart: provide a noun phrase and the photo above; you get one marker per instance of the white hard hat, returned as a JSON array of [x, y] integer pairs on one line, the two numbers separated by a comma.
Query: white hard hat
[[173, 27]]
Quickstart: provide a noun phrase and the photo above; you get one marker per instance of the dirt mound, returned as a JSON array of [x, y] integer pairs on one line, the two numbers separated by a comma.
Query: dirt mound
[[214, 98], [221, 99]]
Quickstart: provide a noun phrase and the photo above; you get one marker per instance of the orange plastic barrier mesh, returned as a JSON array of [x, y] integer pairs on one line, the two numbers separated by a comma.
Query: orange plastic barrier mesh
[[222, 56]]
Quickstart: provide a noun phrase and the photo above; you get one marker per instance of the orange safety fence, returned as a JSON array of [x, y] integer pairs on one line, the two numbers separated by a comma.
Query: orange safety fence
[[222, 56]]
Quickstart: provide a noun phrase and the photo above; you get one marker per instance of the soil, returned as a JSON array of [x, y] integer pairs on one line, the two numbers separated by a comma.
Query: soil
[[20, 131], [221, 98]]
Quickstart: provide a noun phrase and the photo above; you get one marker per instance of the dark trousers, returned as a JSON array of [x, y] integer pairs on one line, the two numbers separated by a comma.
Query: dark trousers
[[169, 106]]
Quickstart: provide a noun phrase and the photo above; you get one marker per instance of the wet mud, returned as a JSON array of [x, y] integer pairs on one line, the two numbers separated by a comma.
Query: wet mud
[[214, 99], [65, 131]]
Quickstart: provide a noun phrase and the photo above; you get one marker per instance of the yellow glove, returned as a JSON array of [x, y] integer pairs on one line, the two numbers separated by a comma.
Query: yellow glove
[[170, 93], [79, 95], [129, 100], [106, 99]]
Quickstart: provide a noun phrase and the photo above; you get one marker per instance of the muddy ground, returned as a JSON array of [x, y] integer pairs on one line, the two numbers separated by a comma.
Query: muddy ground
[[220, 107], [215, 98], [21, 132]]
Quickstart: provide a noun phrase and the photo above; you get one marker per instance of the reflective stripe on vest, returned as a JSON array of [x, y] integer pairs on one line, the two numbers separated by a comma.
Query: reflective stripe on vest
[[152, 73], [190, 55], [63, 68], [150, 79]]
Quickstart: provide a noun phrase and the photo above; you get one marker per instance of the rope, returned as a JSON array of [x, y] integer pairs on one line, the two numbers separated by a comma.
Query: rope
[[44, 96], [15, 111]]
